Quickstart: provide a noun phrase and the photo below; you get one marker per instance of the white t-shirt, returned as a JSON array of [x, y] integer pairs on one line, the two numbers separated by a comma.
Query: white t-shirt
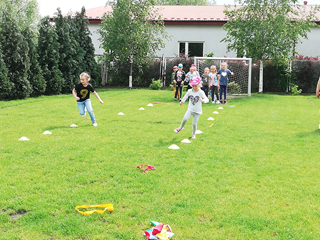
[[194, 104]]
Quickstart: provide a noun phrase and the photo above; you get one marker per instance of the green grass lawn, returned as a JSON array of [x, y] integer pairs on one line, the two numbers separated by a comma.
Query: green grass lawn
[[255, 174]]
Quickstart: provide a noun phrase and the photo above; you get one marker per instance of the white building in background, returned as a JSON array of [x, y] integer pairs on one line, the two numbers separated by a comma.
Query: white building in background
[[197, 30]]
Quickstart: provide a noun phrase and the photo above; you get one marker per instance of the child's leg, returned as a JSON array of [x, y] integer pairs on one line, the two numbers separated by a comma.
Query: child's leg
[[194, 123], [81, 108], [180, 93], [187, 115], [174, 89], [216, 92], [221, 91], [90, 110], [225, 93], [177, 89]]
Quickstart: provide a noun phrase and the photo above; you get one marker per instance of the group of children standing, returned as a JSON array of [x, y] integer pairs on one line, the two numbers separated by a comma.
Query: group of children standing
[[199, 92], [211, 79]]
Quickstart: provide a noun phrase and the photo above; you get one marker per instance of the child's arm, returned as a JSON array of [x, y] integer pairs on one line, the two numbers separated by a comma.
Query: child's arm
[[231, 72], [203, 98], [97, 96], [318, 88], [74, 93], [184, 98]]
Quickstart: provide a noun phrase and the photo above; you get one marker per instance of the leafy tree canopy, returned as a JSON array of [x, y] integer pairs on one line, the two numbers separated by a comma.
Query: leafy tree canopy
[[267, 29], [130, 31]]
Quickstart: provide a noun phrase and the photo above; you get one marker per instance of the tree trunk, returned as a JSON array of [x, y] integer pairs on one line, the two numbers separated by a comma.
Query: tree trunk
[[130, 74], [261, 77]]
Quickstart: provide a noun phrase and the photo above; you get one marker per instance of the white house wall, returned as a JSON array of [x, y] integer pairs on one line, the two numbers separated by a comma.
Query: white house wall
[[210, 35], [310, 47]]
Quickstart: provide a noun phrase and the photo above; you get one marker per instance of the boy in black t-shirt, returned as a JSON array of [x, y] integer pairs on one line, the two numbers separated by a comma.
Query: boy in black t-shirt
[[81, 93]]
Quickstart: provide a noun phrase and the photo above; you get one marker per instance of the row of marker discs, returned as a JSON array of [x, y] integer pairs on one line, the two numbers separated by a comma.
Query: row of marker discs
[[174, 146], [74, 125]]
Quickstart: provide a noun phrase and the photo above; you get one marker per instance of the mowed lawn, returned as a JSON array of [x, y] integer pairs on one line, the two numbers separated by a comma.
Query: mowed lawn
[[255, 174]]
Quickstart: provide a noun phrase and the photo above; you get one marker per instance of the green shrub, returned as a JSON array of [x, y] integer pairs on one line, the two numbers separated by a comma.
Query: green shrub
[[234, 88], [294, 90], [155, 85]]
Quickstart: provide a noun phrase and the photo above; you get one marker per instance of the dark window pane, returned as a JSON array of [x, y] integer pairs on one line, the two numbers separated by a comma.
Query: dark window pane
[[195, 49], [182, 48]]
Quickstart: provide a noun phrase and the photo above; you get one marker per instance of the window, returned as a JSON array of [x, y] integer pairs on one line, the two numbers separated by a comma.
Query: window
[[191, 49]]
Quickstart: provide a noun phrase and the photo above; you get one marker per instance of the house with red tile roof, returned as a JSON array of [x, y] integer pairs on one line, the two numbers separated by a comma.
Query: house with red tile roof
[[197, 30]]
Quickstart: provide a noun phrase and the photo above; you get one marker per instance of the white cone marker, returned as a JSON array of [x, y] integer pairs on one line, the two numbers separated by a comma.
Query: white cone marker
[[186, 141], [211, 118], [120, 113], [24, 139], [141, 108], [220, 107], [215, 112], [47, 132], [173, 146], [73, 126], [198, 132], [150, 105]]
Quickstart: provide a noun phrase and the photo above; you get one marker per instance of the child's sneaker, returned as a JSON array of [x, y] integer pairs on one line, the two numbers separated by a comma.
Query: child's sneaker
[[225, 101], [84, 115], [175, 99], [218, 102], [95, 124], [178, 129], [212, 102], [193, 136]]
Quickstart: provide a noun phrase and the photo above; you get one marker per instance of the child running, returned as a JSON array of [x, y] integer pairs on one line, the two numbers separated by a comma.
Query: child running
[[81, 93], [196, 98], [223, 78], [214, 83]]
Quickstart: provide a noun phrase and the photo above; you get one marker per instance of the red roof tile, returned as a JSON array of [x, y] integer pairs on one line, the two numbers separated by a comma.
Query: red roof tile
[[182, 13]]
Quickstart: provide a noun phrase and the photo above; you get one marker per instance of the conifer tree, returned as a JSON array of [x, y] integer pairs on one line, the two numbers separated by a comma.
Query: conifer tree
[[89, 63], [5, 84], [68, 52], [35, 77], [48, 50], [15, 55]]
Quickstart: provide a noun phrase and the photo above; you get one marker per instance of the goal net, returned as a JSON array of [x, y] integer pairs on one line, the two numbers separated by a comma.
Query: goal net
[[240, 82]]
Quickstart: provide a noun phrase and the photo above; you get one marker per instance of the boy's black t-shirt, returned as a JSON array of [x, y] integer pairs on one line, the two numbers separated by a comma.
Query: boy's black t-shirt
[[83, 92]]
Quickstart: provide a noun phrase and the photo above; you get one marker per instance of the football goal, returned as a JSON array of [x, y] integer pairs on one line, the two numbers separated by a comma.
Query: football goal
[[240, 82]]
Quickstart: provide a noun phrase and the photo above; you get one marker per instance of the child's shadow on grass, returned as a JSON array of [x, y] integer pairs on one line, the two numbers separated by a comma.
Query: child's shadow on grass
[[62, 127], [306, 134], [163, 142]]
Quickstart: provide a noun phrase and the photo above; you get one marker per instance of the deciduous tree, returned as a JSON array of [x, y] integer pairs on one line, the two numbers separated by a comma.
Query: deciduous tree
[[132, 32], [267, 29]]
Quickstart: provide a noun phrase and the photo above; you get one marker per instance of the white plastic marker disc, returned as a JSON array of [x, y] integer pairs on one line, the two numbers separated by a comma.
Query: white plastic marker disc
[[220, 107], [47, 132], [231, 106], [120, 113], [23, 139], [141, 108], [73, 125], [173, 146], [198, 132], [186, 141], [210, 118], [215, 112], [150, 105]]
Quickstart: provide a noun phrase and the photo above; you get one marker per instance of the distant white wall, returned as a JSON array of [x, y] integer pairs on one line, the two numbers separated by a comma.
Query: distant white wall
[[211, 35], [310, 47]]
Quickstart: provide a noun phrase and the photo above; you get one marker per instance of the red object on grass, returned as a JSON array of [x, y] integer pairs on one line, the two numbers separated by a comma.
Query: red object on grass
[[157, 229], [148, 167]]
